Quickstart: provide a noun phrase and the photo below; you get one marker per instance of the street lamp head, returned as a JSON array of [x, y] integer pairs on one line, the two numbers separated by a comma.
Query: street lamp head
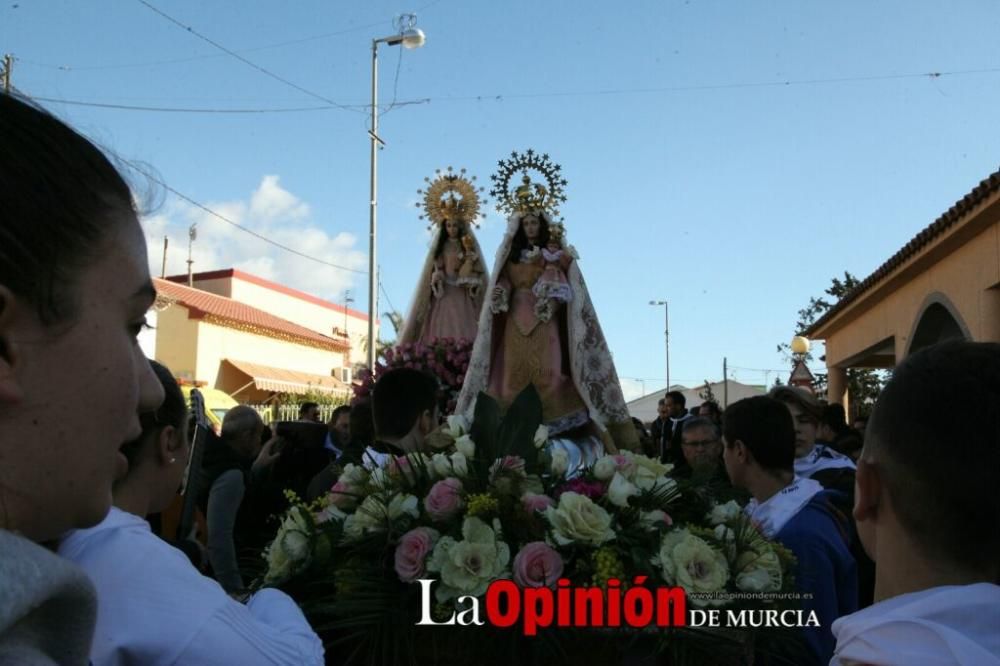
[[413, 38], [800, 344]]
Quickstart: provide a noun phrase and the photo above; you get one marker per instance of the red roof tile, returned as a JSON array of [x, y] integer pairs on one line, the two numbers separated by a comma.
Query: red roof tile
[[239, 314], [949, 219]]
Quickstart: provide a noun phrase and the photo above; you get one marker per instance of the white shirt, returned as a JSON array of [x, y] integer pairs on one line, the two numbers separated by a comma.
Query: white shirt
[[948, 625], [155, 608], [773, 513], [821, 457]]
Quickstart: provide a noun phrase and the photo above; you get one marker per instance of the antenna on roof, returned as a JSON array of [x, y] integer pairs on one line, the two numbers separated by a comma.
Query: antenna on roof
[[192, 236]]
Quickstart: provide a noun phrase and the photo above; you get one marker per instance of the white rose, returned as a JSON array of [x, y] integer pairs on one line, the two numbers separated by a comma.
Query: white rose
[[560, 462], [441, 465], [354, 475], [724, 513], [459, 465], [292, 546], [724, 534], [605, 467], [457, 426], [577, 518], [620, 490], [465, 446], [541, 436], [402, 504]]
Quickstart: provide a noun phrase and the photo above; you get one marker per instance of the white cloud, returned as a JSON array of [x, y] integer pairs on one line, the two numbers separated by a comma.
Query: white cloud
[[271, 211], [631, 388]]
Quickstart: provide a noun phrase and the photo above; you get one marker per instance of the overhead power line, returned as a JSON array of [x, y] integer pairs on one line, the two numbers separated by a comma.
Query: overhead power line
[[175, 109], [362, 108], [250, 63]]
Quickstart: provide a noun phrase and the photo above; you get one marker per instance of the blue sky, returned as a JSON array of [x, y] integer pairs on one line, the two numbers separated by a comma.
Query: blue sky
[[730, 157]]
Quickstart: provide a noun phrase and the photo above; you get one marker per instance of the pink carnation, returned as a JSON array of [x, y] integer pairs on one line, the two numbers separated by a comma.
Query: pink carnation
[[412, 551], [444, 499], [592, 489], [537, 565]]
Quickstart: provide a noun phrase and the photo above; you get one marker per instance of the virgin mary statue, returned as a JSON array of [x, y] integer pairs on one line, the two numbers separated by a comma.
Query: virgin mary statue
[[449, 292], [538, 325]]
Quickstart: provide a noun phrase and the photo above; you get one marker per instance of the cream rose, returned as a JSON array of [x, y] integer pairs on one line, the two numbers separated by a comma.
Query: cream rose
[[620, 490]]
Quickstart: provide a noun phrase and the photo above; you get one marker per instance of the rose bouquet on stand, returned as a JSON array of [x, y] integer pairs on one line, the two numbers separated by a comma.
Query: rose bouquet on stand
[[414, 562]]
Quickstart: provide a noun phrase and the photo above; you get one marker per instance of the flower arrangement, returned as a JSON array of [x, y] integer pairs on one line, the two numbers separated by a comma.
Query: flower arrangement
[[445, 358], [421, 540]]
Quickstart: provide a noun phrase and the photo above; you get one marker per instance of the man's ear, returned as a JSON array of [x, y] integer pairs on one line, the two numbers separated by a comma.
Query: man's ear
[[11, 391], [868, 488], [426, 422], [867, 491], [167, 445], [741, 452]]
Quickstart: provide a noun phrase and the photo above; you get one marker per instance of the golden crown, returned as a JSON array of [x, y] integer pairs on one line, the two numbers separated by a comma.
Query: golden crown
[[529, 195], [451, 196]]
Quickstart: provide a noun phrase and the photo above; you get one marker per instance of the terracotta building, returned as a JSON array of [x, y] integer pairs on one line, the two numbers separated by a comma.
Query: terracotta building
[[943, 284]]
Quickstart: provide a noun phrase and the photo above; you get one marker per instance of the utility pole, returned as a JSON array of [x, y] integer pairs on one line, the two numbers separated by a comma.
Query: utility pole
[[163, 270], [8, 65]]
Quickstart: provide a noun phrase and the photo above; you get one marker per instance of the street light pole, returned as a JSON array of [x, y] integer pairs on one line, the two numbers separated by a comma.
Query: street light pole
[[373, 202], [411, 38], [666, 335]]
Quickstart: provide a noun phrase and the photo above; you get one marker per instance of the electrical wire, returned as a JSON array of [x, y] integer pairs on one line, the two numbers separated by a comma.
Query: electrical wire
[[172, 109], [250, 63]]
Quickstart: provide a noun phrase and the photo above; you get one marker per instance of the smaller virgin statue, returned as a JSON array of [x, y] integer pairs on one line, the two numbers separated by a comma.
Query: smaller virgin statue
[[449, 293]]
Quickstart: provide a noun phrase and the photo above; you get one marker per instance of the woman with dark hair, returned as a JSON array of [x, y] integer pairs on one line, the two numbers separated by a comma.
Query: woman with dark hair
[[74, 291], [153, 605], [449, 295]]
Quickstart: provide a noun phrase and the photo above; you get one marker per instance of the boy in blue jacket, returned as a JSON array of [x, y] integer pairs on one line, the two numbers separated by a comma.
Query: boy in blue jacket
[[759, 455]]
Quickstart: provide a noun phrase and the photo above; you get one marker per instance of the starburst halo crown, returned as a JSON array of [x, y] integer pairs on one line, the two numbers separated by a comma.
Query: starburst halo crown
[[527, 195], [451, 196]]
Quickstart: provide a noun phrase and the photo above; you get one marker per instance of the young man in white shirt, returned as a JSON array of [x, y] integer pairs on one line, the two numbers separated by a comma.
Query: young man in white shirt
[[928, 512]]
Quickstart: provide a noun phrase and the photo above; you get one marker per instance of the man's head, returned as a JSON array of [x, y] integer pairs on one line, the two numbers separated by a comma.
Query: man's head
[[661, 409], [710, 410], [309, 411], [404, 403], [701, 443], [930, 481], [806, 412], [340, 424], [674, 402], [241, 431], [759, 439], [832, 422]]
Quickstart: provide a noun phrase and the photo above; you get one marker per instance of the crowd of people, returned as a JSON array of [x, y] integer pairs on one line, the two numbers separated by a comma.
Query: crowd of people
[[894, 526]]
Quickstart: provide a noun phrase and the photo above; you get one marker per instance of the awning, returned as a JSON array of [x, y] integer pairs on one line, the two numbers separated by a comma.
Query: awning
[[281, 380]]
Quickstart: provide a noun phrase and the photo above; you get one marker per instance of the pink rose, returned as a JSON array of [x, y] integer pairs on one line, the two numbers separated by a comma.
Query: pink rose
[[533, 502], [343, 496], [537, 565], [412, 551], [444, 499]]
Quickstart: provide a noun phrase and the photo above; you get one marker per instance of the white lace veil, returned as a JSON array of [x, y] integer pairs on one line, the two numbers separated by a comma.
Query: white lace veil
[[592, 368]]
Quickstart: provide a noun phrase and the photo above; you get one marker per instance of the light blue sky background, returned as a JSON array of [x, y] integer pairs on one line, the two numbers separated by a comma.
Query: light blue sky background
[[729, 156]]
